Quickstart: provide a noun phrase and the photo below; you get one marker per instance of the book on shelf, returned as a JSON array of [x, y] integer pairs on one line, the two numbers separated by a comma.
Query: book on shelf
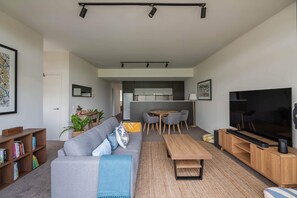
[[35, 162], [15, 171], [33, 143], [3, 155], [18, 149]]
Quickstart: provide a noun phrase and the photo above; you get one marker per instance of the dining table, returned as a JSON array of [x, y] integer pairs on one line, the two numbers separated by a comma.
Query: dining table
[[160, 114]]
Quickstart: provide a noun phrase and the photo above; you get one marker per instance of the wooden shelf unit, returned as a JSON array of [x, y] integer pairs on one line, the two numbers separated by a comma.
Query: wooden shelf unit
[[277, 167], [24, 161]]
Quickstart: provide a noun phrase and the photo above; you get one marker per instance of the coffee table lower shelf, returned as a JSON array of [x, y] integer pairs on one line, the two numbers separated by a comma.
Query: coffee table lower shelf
[[188, 164]]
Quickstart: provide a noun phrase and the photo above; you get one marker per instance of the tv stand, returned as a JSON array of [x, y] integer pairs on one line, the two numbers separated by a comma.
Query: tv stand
[[255, 152], [249, 138]]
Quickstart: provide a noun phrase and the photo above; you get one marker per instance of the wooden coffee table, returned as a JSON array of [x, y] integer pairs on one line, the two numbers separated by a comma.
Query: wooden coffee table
[[186, 153]]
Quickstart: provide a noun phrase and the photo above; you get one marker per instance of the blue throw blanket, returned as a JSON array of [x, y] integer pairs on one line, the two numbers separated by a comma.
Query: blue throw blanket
[[114, 176]]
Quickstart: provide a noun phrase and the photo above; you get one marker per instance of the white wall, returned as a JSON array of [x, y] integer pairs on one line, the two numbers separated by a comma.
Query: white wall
[[116, 86], [85, 74], [265, 57], [57, 63], [30, 52]]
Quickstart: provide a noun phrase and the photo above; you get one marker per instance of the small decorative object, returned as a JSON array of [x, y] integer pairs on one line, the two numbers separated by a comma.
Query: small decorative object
[[78, 125], [8, 80], [204, 90], [35, 162], [79, 110], [208, 138]]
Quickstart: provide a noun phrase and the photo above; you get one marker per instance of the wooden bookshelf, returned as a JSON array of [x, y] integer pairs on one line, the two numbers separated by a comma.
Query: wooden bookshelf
[[24, 161]]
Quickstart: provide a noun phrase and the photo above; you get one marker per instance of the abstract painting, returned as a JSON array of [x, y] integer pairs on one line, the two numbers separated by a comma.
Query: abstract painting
[[204, 90], [8, 80]]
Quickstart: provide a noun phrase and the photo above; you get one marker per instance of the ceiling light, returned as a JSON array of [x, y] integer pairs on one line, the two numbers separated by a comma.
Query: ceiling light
[[203, 12], [143, 62], [152, 12], [83, 12], [152, 4]]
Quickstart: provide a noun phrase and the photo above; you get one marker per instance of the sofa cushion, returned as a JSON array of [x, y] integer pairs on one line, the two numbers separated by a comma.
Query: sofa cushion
[[103, 130], [103, 149], [133, 146], [84, 144], [113, 122]]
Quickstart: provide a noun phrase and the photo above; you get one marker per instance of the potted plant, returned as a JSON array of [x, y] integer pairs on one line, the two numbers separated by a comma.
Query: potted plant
[[100, 115], [78, 125]]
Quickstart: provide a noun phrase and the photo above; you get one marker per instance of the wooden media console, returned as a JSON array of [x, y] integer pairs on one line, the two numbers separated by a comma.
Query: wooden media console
[[278, 167]]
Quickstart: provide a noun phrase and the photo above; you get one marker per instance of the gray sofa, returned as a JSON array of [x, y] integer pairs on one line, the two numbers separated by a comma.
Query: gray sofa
[[74, 173]]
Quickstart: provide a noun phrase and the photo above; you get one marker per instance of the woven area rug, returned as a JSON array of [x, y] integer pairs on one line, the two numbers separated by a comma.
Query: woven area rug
[[222, 176]]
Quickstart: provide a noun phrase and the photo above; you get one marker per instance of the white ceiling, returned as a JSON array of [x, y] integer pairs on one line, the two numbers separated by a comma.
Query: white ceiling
[[109, 35]]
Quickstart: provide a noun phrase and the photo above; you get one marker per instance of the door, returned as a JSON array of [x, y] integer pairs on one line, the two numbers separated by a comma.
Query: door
[[51, 106]]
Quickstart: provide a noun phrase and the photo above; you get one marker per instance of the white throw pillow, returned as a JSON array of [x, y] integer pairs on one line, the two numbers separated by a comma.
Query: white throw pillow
[[122, 136], [103, 149]]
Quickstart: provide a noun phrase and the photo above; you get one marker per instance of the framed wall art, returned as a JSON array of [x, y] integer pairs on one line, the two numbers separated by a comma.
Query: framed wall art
[[8, 80], [204, 90]]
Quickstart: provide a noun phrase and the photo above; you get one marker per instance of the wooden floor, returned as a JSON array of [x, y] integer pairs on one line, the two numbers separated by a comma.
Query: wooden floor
[[223, 177]]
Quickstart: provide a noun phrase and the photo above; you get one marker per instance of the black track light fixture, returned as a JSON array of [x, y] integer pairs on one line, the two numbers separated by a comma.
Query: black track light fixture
[[151, 4], [153, 11], [203, 12], [147, 63], [83, 11]]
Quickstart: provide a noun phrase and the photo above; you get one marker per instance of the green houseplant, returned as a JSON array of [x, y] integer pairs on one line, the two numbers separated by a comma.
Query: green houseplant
[[78, 125]]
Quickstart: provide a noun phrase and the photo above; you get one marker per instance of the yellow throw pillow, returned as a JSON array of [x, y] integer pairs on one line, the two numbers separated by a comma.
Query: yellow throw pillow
[[132, 127], [208, 138]]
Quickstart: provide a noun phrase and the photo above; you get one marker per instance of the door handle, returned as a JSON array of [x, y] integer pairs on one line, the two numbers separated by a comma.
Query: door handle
[[56, 108]]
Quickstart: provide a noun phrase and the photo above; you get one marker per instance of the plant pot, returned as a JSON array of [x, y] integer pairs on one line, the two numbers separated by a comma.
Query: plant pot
[[76, 133]]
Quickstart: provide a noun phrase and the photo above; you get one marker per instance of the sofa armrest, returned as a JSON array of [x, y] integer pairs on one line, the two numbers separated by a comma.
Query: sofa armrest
[[77, 176], [74, 177]]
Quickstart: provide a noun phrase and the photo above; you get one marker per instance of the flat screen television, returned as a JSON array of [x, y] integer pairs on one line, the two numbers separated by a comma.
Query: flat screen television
[[267, 113]]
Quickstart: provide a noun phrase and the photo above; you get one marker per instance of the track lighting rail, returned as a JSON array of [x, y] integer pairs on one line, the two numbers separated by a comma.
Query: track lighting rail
[[139, 4], [151, 4], [145, 62]]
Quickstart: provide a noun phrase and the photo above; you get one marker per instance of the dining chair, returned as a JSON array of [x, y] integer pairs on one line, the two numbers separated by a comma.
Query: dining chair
[[184, 117], [149, 120], [172, 119]]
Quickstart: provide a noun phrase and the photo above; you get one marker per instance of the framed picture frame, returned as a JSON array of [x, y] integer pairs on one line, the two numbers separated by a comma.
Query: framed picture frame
[[81, 91], [204, 90], [8, 79]]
